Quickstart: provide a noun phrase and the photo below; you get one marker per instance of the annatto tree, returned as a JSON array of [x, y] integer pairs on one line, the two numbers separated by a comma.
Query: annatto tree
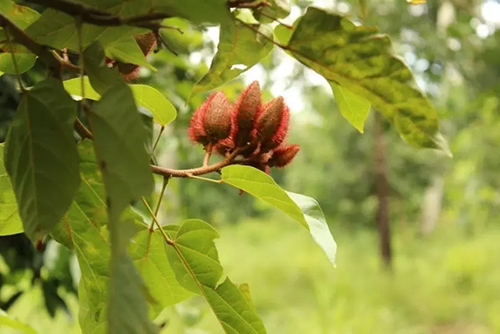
[[76, 159]]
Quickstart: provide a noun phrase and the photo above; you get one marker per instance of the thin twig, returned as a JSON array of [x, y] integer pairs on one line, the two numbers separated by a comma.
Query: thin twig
[[82, 130], [157, 140], [208, 154], [20, 37], [275, 19], [257, 31], [160, 198]]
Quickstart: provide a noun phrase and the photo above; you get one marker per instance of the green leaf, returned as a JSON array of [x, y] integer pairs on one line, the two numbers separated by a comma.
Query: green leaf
[[22, 16], [119, 142], [194, 242], [194, 259], [283, 33], [127, 308], [24, 59], [73, 87], [303, 209], [100, 75], [354, 108], [58, 29], [10, 222], [145, 96], [150, 258], [213, 11], [10, 322], [83, 229], [233, 310], [128, 51], [41, 157], [239, 48], [361, 61], [162, 109], [278, 9]]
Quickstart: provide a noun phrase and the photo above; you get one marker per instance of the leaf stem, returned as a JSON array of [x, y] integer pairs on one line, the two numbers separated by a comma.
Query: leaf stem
[[165, 235], [204, 179]]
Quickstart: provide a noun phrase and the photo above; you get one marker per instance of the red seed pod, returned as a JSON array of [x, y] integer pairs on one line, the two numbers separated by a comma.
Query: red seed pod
[[146, 42], [261, 166], [217, 118], [128, 71], [283, 155], [225, 146], [272, 124], [245, 112], [196, 130]]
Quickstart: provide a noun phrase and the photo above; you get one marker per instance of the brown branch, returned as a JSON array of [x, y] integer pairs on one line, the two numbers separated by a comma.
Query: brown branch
[[230, 160], [248, 4], [101, 18]]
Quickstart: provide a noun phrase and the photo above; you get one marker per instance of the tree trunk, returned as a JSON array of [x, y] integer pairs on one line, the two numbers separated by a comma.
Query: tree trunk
[[431, 206], [382, 192]]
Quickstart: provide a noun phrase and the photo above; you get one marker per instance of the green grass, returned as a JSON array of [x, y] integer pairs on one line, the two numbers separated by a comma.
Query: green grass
[[447, 283]]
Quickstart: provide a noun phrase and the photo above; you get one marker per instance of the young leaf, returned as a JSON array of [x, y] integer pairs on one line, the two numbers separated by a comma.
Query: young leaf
[[361, 61], [239, 49], [10, 223], [354, 108], [303, 209], [145, 96], [41, 157], [195, 261]]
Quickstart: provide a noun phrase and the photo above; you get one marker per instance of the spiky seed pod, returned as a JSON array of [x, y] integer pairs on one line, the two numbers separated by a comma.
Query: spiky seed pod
[[272, 124], [283, 155], [196, 130], [146, 43], [245, 112], [217, 118]]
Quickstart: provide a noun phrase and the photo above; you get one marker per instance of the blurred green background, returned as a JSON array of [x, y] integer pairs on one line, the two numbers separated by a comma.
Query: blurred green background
[[445, 275]]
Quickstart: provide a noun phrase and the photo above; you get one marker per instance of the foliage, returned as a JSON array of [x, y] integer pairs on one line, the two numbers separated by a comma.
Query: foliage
[[93, 191]]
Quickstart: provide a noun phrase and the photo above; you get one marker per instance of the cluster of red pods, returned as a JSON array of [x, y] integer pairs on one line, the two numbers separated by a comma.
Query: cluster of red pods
[[249, 127]]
